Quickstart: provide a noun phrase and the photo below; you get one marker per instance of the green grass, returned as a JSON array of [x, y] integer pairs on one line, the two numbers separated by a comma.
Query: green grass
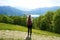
[[9, 39], [4, 26]]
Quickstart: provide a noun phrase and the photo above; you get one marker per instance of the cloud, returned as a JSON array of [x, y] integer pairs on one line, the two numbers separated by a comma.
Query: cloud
[[30, 4], [55, 2]]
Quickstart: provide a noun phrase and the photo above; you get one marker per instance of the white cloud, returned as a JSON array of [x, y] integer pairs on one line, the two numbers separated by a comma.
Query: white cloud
[[30, 4], [55, 2]]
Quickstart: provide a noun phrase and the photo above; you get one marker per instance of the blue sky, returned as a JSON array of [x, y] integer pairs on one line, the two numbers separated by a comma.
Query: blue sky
[[30, 4]]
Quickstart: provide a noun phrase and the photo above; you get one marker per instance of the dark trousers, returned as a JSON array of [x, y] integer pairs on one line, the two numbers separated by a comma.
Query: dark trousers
[[29, 30]]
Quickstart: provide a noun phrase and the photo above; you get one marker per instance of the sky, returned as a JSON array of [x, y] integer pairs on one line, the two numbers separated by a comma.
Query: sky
[[30, 4]]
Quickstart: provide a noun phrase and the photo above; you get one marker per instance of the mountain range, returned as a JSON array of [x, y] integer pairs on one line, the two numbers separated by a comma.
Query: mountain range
[[7, 10], [41, 11]]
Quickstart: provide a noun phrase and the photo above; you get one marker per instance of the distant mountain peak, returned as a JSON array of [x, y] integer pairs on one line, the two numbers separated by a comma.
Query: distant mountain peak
[[10, 10], [18, 12]]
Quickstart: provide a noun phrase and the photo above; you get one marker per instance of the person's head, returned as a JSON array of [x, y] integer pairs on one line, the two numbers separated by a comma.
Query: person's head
[[29, 16]]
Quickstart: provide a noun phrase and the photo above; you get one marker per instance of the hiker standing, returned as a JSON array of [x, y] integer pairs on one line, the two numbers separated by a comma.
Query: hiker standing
[[29, 24]]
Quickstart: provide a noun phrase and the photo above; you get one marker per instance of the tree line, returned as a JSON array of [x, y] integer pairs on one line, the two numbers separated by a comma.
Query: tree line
[[16, 20], [50, 21]]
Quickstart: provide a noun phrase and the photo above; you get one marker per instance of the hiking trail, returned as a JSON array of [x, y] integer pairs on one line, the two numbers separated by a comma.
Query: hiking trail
[[23, 35]]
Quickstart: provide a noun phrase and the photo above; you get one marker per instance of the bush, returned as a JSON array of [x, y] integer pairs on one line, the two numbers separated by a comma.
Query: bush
[[57, 21]]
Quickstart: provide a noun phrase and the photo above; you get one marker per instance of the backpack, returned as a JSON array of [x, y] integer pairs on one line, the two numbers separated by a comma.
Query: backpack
[[29, 21]]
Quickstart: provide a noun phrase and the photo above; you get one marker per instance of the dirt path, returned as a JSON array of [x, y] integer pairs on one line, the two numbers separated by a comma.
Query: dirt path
[[23, 35]]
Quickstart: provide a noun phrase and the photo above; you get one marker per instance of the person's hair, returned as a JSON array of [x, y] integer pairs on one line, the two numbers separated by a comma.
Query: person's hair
[[29, 18]]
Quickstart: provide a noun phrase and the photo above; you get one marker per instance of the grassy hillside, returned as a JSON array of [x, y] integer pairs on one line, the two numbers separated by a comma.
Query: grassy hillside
[[4, 26]]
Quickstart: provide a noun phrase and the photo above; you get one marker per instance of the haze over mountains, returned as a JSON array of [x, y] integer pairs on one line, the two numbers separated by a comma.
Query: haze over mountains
[[41, 11], [18, 12], [7, 10]]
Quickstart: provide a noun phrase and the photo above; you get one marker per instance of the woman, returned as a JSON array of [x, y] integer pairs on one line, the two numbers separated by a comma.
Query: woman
[[29, 23]]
